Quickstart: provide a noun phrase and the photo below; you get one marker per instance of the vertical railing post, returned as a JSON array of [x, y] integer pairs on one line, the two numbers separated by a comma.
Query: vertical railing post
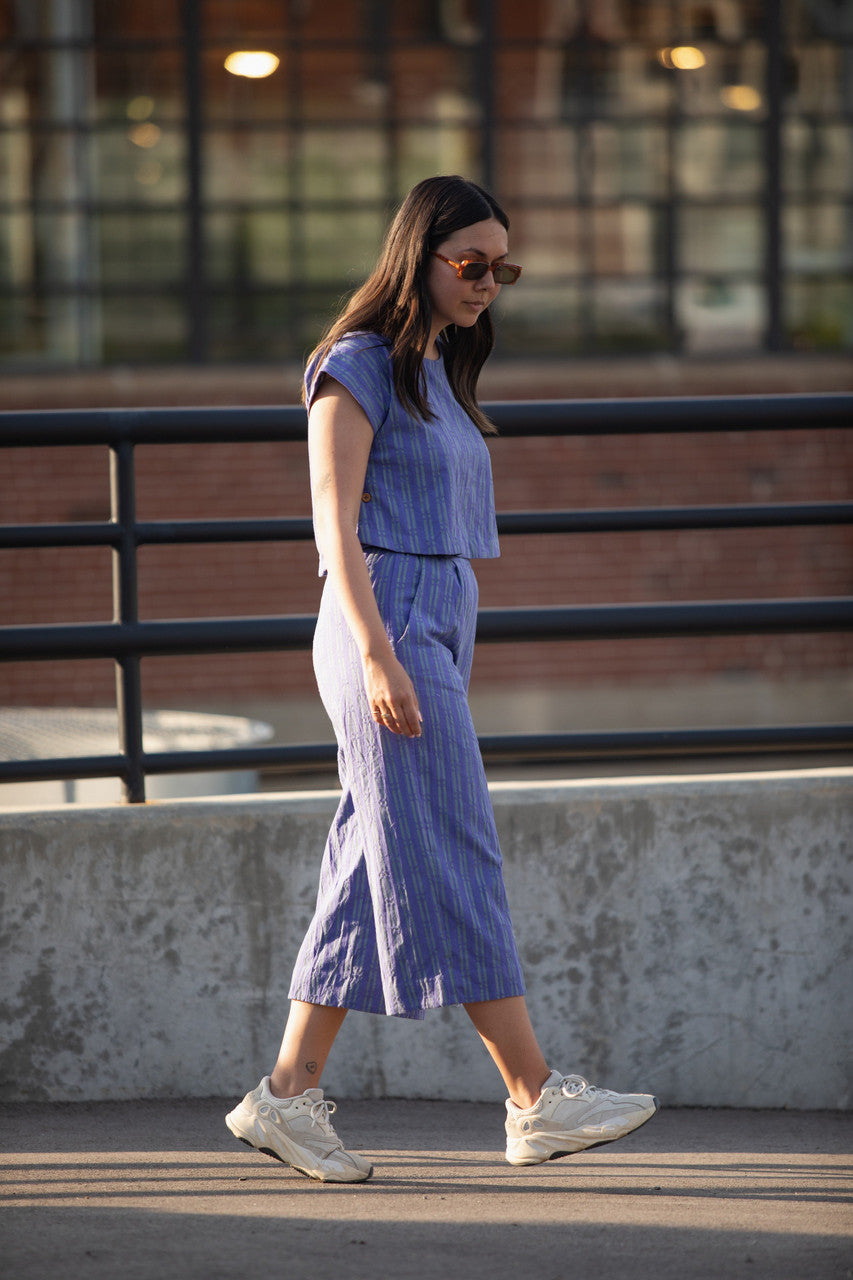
[[126, 610]]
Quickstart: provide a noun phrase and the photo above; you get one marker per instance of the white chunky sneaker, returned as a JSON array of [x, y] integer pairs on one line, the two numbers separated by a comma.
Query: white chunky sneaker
[[298, 1132], [571, 1115]]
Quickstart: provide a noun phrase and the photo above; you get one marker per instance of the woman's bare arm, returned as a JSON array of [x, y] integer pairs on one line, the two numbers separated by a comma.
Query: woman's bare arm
[[339, 440]]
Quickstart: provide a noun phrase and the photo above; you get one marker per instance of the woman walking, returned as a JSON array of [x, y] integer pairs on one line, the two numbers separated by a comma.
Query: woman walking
[[411, 911]]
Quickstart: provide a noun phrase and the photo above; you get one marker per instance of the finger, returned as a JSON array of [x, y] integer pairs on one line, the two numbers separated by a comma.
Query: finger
[[385, 717], [412, 720]]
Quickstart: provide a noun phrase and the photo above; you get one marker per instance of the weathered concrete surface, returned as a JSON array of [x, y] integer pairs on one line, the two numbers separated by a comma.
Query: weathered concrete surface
[[689, 935], [160, 1191]]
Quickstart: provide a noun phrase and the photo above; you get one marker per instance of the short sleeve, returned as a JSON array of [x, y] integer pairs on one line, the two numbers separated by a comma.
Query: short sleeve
[[361, 363]]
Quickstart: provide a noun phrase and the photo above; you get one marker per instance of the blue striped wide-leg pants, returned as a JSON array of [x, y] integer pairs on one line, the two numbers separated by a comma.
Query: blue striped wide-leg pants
[[411, 912]]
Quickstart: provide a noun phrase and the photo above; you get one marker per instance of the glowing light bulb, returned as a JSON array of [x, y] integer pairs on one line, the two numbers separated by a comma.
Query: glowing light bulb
[[145, 135], [140, 108], [740, 97], [252, 63], [682, 57]]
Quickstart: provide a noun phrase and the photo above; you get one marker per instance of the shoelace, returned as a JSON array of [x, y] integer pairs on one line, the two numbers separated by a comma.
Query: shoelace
[[320, 1112], [575, 1086]]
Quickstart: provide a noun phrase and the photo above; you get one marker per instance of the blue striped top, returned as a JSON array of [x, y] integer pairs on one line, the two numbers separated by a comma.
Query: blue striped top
[[428, 488]]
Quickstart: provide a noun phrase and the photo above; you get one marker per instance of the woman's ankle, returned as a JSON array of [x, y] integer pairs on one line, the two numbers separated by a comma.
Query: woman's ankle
[[283, 1085]]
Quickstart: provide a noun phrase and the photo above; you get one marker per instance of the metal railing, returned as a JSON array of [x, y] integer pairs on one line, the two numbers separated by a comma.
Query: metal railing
[[127, 639]]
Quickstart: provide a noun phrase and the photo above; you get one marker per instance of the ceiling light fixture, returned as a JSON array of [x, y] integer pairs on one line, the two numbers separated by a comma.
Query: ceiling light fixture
[[255, 64], [740, 97], [681, 57]]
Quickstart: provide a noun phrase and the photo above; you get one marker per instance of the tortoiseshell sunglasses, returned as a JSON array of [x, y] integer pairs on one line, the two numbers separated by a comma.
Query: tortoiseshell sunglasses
[[475, 269]]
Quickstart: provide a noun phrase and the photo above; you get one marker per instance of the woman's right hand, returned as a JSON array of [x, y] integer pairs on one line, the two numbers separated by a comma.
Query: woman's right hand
[[391, 695]]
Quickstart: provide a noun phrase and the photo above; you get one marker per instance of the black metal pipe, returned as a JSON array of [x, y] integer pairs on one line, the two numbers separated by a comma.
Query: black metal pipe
[[658, 621], [126, 614], [300, 528], [636, 519], [556, 622], [514, 418], [496, 748]]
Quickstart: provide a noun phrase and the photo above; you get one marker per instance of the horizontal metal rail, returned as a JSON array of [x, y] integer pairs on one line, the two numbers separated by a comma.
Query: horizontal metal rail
[[553, 622], [510, 748], [513, 418], [299, 529], [128, 639]]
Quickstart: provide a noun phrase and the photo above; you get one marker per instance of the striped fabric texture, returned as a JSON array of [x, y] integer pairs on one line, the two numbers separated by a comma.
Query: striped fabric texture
[[411, 912], [428, 487]]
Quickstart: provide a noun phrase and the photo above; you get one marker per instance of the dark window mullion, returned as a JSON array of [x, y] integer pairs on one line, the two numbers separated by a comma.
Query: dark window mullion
[[197, 329], [773, 259]]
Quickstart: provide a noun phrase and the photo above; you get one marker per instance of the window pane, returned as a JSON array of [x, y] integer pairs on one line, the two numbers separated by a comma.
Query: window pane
[[535, 162], [629, 316], [624, 240], [17, 250], [818, 157], [252, 326], [548, 242], [140, 328], [142, 164], [247, 164], [340, 247], [819, 314], [248, 247], [820, 79], [344, 164], [720, 314], [141, 247], [819, 237], [720, 159], [542, 320], [44, 326], [443, 148], [721, 239], [629, 160]]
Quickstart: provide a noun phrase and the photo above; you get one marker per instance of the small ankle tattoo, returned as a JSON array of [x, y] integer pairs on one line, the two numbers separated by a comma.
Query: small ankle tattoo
[[311, 1068]]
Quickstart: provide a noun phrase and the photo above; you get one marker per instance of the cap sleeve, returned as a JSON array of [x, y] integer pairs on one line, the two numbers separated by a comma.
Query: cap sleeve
[[361, 363]]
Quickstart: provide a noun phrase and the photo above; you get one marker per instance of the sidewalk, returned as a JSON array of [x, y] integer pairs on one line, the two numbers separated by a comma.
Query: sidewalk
[[160, 1191]]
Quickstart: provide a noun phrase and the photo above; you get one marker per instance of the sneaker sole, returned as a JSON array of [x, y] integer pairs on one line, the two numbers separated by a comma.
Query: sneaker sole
[[587, 1146], [275, 1155]]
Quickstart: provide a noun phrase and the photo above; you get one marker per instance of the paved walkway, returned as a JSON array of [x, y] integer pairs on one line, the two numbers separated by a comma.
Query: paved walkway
[[160, 1191]]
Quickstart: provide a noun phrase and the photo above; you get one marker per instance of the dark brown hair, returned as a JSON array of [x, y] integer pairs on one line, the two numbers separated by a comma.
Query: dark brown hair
[[394, 301]]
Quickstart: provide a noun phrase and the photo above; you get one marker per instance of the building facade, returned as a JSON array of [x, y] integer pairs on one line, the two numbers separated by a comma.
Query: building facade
[[679, 174]]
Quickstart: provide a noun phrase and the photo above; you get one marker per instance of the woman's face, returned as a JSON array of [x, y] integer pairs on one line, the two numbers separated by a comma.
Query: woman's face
[[461, 302]]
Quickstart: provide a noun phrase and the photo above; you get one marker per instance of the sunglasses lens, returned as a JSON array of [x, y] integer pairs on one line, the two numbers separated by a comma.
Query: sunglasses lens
[[505, 275], [474, 270]]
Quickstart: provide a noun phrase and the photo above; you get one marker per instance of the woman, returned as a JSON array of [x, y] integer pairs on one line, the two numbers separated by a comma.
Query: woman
[[411, 912]]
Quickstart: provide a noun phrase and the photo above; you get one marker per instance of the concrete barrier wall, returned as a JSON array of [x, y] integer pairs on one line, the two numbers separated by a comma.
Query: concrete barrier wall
[[687, 935]]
